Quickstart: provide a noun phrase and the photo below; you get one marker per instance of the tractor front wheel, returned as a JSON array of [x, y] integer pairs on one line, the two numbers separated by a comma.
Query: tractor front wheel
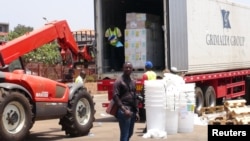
[[80, 116], [15, 116]]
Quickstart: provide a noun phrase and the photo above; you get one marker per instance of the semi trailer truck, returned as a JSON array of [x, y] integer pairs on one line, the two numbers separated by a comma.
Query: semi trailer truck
[[206, 41]]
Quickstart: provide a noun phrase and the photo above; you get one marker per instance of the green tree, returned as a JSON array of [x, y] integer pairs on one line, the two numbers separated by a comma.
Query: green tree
[[19, 30], [47, 54]]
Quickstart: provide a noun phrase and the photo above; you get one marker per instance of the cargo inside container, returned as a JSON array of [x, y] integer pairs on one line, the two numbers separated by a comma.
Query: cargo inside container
[[115, 11]]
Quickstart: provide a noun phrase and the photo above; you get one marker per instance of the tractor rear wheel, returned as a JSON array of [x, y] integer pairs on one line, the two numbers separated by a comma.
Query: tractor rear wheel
[[15, 116], [80, 116]]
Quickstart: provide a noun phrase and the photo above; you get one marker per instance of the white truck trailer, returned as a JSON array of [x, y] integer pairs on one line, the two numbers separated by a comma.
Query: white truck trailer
[[206, 40]]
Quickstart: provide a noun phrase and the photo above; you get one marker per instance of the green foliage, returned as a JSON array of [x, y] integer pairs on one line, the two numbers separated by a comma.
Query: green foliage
[[47, 54], [12, 35], [19, 30], [22, 29]]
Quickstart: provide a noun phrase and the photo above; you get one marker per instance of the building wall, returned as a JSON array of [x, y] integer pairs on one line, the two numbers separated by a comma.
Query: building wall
[[85, 36], [4, 29]]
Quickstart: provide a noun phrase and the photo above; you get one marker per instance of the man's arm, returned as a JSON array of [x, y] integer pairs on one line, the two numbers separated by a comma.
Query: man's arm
[[119, 34], [116, 93], [107, 33]]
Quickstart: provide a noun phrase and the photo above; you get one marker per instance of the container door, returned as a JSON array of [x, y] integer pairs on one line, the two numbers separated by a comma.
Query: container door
[[178, 40]]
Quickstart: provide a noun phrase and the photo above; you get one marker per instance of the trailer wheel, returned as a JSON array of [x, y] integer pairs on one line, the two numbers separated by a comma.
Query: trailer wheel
[[199, 100], [210, 96], [15, 117], [80, 116]]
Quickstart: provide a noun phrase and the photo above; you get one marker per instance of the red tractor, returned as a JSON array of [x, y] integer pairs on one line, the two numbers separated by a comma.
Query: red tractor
[[26, 98]]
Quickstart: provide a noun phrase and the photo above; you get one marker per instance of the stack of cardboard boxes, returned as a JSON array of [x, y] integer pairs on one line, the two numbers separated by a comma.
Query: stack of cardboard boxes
[[143, 40]]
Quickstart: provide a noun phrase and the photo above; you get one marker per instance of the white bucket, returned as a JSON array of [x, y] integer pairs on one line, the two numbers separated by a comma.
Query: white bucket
[[155, 105], [158, 83], [186, 118], [153, 102], [154, 95], [155, 117], [154, 91], [155, 99], [171, 122], [188, 87]]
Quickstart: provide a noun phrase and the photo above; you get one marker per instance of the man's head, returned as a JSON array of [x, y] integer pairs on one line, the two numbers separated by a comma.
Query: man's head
[[127, 68], [148, 65], [112, 26], [83, 74]]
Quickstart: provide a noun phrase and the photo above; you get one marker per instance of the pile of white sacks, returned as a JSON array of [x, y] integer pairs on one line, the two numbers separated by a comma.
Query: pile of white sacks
[[169, 105]]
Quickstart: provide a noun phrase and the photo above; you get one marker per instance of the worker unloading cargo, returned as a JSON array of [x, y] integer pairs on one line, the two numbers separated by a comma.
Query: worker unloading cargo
[[116, 59]]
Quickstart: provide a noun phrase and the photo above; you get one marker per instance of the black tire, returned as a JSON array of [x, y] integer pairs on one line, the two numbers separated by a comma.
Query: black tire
[[15, 117], [199, 100], [210, 96], [80, 116]]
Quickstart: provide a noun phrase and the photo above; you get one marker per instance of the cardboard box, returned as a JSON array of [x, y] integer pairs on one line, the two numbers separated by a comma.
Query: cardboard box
[[142, 17], [142, 45], [138, 24]]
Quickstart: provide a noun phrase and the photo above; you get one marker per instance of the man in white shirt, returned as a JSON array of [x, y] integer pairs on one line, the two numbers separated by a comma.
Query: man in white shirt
[[81, 77]]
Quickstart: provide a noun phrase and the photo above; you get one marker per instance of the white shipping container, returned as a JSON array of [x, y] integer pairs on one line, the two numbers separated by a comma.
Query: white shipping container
[[214, 38], [226, 41]]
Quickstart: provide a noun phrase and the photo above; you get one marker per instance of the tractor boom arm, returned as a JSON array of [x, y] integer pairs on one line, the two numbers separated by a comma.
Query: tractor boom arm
[[57, 30]]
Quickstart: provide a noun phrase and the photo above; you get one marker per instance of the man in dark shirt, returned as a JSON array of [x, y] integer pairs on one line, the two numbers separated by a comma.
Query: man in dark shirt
[[125, 96]]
